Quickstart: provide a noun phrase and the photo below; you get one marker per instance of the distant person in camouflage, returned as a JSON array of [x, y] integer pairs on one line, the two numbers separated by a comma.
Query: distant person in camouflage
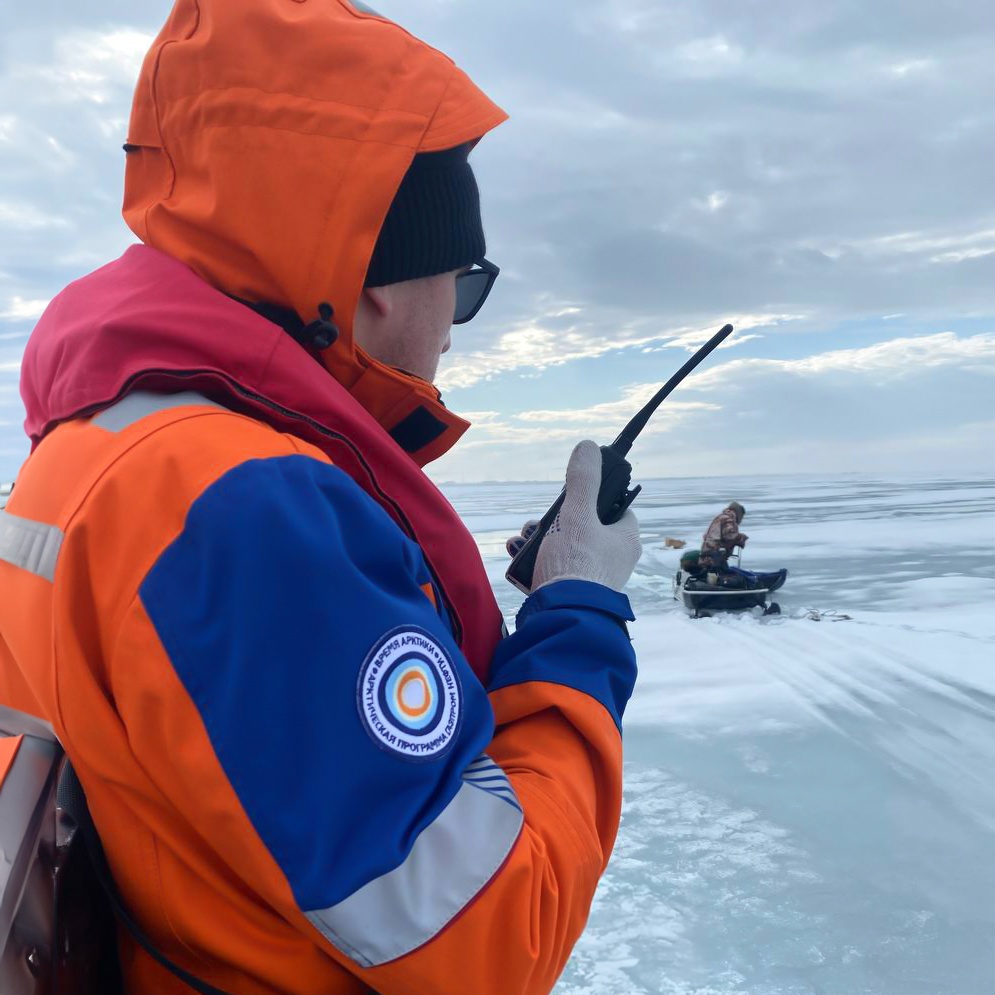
[[722, 537]]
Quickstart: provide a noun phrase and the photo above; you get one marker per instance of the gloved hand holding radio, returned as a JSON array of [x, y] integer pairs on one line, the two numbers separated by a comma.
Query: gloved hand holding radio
[[578, 546]]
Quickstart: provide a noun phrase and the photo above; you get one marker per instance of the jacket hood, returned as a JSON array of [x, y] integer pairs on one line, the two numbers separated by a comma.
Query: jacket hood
[[146, 321], [267, 141]]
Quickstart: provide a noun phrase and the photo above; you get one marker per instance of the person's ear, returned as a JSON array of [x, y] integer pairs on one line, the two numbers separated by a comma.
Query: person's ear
[[380, 299]]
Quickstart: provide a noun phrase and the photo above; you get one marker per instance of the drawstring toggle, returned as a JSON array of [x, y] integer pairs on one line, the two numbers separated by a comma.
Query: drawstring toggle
[[322, 332]]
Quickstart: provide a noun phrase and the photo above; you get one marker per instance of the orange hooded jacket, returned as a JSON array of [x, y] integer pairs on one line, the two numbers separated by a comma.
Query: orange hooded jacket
[[263, 637]]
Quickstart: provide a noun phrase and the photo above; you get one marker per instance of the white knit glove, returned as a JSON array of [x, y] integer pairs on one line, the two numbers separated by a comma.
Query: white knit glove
[[578, 546]]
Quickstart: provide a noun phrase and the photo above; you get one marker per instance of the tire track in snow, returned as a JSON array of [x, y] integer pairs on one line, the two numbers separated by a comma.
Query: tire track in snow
[[932, 727]]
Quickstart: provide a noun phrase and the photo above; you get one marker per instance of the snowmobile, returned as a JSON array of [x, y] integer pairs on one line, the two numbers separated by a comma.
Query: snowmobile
[[734, 589]]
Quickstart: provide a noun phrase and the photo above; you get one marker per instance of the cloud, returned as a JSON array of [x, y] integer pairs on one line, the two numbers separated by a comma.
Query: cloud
[[613, 412], [534, 347], [922, 243], [25, 216], [19, 309], [958, 256], [895, 358], [903, 69], [89, 66], [482, 417], [707, 56]]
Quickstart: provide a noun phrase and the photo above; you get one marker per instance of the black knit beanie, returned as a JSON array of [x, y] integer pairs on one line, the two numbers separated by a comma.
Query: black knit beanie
[[433, 226]]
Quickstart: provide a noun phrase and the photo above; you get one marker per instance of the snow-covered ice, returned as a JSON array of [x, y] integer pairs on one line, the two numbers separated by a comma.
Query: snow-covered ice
[[809, 798]]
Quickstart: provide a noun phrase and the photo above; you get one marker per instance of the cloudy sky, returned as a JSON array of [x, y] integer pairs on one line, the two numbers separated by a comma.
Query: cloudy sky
[[819, 174]]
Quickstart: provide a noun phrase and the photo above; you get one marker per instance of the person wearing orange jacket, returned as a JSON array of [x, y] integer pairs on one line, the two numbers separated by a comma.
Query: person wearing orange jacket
[[264, 638]]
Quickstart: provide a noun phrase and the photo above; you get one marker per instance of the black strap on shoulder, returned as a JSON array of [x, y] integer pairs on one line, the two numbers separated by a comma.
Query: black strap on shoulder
[[73, 800]]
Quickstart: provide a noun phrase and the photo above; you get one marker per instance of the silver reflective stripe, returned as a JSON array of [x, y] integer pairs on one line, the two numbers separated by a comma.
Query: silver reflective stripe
[[29, 545], [451, 861], [141, 404]]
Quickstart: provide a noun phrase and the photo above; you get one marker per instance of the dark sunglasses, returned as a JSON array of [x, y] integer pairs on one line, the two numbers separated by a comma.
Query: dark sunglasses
[[472, 288]]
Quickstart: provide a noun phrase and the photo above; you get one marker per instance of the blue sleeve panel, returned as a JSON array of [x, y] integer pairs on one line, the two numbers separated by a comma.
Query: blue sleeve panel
[[277, 605], [572, 632]]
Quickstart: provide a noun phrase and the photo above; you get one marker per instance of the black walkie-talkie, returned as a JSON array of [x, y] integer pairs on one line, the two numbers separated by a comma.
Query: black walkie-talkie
[[614, 495]]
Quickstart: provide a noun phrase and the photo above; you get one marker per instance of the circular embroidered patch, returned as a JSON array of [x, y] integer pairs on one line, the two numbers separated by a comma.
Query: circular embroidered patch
[[409, 695]]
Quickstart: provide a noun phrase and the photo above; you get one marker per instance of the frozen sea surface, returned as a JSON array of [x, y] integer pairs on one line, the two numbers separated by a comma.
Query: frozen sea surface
[[809, 805]]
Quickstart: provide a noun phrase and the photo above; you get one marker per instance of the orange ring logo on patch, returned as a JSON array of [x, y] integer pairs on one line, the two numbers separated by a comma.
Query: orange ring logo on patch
[[409, 694], [414, 696]]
